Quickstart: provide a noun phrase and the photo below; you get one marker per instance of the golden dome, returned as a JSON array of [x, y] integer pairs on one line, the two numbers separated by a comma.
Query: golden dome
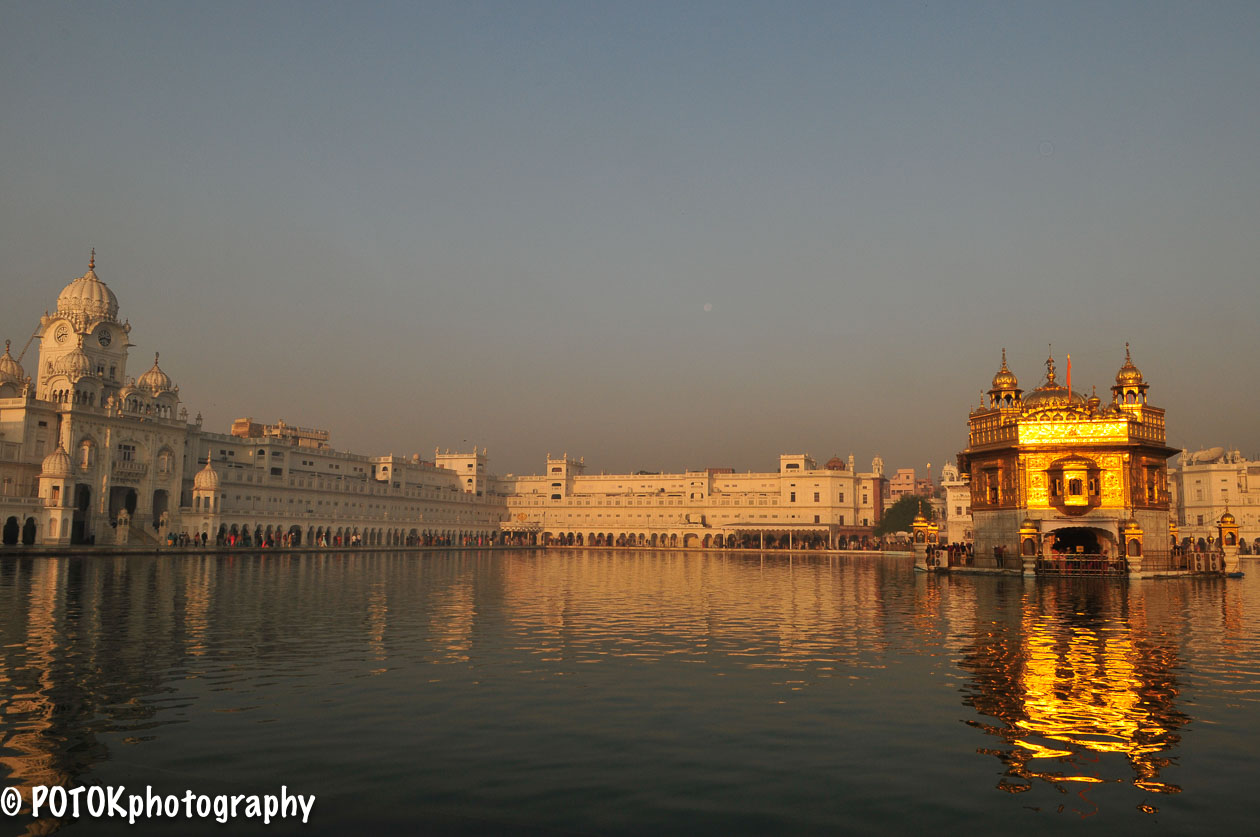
[[1227, 519], [10, 369], [1054, 396], [1005, 378], [1052, 393], [56, 464], [1129, 375], [207, 479], [89, 296], [155, 380]]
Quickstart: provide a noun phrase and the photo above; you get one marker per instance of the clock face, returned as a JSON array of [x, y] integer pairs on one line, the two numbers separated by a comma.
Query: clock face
[[63, 332], [104, 337]]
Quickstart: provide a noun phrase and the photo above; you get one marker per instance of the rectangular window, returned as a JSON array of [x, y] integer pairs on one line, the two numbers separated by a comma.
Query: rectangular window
[[793, 498], [816, 498]]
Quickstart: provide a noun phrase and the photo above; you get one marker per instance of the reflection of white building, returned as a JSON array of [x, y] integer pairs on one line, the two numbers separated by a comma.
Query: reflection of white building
[[91, 455], [1207, 483]]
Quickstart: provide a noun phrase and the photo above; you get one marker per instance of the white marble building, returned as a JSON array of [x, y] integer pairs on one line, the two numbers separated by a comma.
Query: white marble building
[[89, 455], [1206, 484]]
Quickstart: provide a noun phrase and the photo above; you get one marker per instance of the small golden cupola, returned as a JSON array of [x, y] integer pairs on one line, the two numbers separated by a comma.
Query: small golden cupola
[[1130, 387], [1005, 391]]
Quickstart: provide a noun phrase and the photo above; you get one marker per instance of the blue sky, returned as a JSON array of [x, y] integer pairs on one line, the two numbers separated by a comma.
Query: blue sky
[[656, 235]]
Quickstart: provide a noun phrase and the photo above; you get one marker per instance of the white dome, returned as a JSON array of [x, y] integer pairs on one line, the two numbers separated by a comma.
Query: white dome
[[88, 295], [155, 380], [56, 464], [10, 369], [206, 479], [74, 364]]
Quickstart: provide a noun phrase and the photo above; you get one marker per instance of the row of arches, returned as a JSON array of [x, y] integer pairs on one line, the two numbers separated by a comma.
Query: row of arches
[[693, 540], [15, 531], [271, 535], [1211, 544], [73, 396]]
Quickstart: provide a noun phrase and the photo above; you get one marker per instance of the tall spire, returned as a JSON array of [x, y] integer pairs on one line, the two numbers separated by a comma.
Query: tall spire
[[1050, 368], [92, 261]]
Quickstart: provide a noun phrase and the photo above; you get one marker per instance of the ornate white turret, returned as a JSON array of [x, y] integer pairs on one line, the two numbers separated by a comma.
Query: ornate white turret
[[207, 479], [11, 371], [57, 464], [54, 490], [88, 297], [155, 381], [75, 364], [206, 497]]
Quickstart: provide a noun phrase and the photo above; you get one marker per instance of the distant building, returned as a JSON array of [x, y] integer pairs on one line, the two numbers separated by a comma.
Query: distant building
[[800, 504], [957, 517], [1208, 483], [900, 484], [90, 455]]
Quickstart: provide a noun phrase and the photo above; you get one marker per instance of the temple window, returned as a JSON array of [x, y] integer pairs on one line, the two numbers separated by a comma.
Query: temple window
[[1074, 486]]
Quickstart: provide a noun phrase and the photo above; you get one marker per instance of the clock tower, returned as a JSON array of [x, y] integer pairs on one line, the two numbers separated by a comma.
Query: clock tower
[[83, 346]]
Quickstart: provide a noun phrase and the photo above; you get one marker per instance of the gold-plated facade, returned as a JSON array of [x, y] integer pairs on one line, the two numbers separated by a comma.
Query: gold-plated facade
[[1071, 469]]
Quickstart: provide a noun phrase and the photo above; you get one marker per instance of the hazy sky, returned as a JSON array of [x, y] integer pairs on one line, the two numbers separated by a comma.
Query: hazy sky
[[657, 235]]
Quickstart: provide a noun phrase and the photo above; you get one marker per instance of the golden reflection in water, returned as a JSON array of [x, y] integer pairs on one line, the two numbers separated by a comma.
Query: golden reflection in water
[[378, 610], [451, 621], [28, 737], [1078, 680], [198, 582]]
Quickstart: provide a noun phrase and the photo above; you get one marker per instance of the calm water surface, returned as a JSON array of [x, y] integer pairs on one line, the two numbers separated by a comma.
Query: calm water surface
[[597, 692]]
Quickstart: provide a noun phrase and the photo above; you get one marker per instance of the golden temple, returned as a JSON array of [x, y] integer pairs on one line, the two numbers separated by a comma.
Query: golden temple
[[1061, 481]]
